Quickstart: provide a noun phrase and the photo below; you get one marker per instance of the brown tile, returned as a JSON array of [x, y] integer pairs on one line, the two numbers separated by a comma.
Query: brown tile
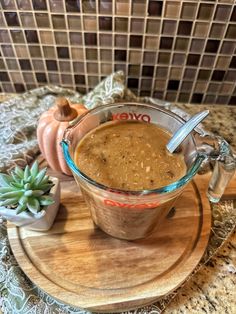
[[39, 5], [135, 57], [185, 28], [24, 4], [213, 88], [106, 55], [27, 19], [205, 11], [201, 29], [89, 6], [77, 54], [78, 67], [179, 59], [231, 31], [22, 51], [72, 6], [210, 99], [184, 97], [217, 30], [137, 25], [42, 20], [169, 27], [53, 78], [160, 85], [105, 7], [49, 52], [162, 72], [91, 54], [106, 68], [75, 38], [12, 19], [164, 58], [222, 12], [46, 37], [122, 7], [4, 36], [226, 88], [155, 8], [134, 69], [93, 80], [222, 62], [188, 10], [149, 57], [12, 64], [208, 61], [62, 52], [120, 55], [74, 22], [64, 66], [146, 84], [153, 26], [176, 73], [8, 5], [138, 7], [38, 64], [35, 51], [151, 42], [121, 24], [67, 79], [186, 86], [228, 47], [121, 41], [92, 68], [28, 77], [200, 87], [181, 44], [58, 21], [61, 38], [105, 40], [90, 23], [172, 9], [197, 45], [57, 5], [8, 51]]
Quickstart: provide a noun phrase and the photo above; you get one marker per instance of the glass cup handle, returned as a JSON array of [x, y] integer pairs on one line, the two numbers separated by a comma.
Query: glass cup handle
[[219, 155]]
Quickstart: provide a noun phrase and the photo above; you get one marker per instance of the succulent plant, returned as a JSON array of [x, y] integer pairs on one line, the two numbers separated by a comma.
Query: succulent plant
[[26, 190]]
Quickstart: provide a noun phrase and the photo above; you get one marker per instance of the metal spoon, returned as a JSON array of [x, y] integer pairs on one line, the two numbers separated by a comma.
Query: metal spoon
[[185, 129]]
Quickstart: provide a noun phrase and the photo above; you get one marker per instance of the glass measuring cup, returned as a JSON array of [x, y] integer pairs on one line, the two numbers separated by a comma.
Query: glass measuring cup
[[135, 214]]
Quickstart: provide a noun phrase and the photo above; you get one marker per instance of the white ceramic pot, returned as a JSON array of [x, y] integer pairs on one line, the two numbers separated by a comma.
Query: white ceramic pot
[[43, 220]]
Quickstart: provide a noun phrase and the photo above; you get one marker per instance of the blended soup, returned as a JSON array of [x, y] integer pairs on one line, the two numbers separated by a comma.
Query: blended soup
[[129, 155]]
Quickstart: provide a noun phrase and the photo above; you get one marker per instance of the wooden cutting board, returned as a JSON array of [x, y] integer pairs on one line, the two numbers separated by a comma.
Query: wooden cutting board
[[80, 265]]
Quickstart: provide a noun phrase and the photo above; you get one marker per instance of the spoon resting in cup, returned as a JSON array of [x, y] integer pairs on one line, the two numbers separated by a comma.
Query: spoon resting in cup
[[185, 129]]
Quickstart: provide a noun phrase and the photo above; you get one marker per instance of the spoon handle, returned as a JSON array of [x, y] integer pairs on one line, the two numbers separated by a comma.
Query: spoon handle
[[185, 129]]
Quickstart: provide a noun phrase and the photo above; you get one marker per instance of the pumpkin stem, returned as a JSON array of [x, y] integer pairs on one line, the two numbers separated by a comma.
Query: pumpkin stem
[[64, 111]]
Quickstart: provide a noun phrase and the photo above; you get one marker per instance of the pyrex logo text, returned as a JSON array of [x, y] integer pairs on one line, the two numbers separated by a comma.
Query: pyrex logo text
[[131, 116]]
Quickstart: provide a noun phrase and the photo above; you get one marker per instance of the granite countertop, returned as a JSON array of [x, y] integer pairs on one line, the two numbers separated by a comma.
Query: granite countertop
[[213, 288]]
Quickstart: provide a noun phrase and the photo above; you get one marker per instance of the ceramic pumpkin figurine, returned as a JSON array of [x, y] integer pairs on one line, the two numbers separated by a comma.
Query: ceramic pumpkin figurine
[[50, 130]]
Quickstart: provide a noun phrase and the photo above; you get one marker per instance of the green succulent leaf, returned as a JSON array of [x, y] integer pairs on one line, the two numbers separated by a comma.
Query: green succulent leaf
[[26, 172], [23, 200], [40, 176], [15, 177], [9, 201], [34, 169], [12, 194], [16, 185], [45, 180], [45, 187], [27, 186], [37, 193], [33, 205], [6, 189], [19, 172], [28, 193], [46, 200], [5, 180], [20, 208]]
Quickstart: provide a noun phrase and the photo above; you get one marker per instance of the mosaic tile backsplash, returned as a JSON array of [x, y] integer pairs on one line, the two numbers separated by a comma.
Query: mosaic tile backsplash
[[183, 51]]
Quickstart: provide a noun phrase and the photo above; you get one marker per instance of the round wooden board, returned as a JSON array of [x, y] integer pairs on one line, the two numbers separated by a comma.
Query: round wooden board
[[80, 265]]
